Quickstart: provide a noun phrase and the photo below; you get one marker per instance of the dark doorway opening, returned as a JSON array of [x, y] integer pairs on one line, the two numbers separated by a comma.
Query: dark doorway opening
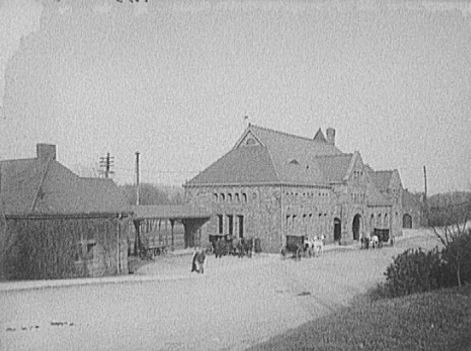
[[407, 221], [241, 226], [356, 227], [337, 229]]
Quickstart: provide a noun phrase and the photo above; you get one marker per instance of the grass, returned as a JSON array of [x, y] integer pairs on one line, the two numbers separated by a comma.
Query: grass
[[438, 320]]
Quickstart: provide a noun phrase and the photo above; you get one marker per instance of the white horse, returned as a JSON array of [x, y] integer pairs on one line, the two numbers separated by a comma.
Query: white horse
[[318, 245], [374, 241]]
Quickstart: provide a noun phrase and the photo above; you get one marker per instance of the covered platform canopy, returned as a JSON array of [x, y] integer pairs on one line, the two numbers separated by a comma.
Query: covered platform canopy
[[162, 227]]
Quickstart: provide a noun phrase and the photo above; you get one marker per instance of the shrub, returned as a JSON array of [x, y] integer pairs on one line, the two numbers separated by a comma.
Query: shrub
[[456, 256], [413, 271]]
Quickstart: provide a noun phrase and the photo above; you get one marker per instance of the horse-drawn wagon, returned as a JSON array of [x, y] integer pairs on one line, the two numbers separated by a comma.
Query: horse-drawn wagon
[[377, 239], [294, 247], [222, 245]]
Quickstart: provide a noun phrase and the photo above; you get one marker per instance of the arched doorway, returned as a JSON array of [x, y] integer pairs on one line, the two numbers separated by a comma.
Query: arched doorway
[[337, 229], [356, 227], [407, 221]]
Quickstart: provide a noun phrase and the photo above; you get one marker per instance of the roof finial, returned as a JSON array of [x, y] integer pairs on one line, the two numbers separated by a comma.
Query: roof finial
[[246, 120]]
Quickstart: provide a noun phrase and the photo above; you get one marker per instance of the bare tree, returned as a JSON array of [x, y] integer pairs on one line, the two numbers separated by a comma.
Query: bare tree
[[455, 237]]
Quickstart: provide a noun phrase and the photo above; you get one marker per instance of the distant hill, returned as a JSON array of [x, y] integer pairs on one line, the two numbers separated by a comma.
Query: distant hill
[[451, 198]]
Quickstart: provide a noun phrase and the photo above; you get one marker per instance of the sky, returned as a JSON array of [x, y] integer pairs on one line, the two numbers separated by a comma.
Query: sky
[[174, 80]]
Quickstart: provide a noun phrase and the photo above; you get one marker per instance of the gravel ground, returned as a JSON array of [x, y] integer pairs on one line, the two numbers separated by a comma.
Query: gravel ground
[[235, 304]]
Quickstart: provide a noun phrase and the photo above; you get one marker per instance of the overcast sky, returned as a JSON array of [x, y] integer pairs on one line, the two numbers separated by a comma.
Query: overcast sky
[[173, 80]]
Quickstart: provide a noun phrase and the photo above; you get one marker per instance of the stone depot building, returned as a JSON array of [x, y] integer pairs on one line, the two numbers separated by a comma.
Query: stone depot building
[[272, 185]]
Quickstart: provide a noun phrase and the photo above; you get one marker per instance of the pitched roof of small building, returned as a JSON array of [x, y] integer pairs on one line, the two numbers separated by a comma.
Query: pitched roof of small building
[[410, 200], [270, 157], [38, 186]]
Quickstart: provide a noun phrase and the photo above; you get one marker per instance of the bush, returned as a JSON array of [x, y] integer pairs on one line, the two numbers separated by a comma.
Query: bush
[[413, 271]]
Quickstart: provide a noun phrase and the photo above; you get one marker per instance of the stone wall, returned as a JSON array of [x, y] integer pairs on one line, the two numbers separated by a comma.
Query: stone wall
[[307, 211]]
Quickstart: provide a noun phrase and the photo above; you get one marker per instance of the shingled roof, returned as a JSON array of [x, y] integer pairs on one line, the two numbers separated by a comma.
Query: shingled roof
[[382, 179], [334, 167], [37, 186], [379, 182], [274, 157]]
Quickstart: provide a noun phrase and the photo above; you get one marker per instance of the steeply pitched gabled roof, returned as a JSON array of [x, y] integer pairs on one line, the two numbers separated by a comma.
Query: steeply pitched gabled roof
[[374, 195], [382, 179], [35, 186], [334, 167], [251, 164], [276, 157]]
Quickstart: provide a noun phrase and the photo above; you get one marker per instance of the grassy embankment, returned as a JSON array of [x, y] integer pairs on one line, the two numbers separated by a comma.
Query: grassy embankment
[[438, 320]]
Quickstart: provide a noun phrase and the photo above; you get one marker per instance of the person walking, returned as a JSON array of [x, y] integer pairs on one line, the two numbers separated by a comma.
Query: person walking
[[194, 268]]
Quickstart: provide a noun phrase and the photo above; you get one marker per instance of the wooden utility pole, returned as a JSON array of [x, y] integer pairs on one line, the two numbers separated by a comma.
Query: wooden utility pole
[[106, 163], [425, 197], [137, 178]]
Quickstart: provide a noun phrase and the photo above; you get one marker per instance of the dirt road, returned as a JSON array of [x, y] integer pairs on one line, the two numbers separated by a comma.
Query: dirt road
[[235, 304]]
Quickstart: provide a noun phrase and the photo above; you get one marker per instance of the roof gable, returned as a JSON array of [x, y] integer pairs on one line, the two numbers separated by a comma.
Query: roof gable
[[320, 137]]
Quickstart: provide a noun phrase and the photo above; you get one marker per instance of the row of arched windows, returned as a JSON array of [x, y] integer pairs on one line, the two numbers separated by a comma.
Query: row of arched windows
[[230, 197], [320, 194], [307, 224], [380, 220]]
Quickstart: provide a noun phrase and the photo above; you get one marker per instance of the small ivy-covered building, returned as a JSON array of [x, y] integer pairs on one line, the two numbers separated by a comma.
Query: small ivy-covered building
[[273, 185], [55, 224]]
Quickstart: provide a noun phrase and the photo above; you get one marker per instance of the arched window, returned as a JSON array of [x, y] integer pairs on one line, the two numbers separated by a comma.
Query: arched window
[[222, 196], [229, 197], [378, 222], [386, 224], [244, 197], [215, 196], [237, 197]]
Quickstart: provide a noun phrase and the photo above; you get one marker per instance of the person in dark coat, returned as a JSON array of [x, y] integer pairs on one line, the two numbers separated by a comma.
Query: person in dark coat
[[194, 268]]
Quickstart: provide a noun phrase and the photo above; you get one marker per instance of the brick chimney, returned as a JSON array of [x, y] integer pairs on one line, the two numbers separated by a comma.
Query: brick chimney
[[330, 135], [46, 151]]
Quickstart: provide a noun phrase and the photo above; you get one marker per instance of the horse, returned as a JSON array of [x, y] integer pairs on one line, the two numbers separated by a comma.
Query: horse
[[365, 242], [374, 241], [319, 245], [309, 247]]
